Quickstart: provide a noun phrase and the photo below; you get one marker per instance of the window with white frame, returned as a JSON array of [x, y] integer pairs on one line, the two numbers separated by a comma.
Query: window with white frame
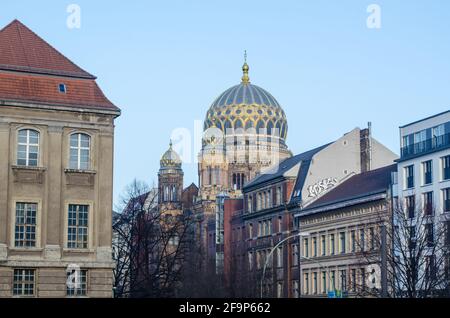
[[77, 231], [78, 286], [25, 225], [23, 282], [28, 148], [80, 151]]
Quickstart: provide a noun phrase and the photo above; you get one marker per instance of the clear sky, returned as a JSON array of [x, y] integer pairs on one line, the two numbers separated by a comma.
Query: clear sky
[[164, 62]]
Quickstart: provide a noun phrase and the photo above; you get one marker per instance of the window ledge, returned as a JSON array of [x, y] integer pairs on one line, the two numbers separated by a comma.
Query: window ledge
[[31, 168], [80, 171], [25, 249], [78, 250]]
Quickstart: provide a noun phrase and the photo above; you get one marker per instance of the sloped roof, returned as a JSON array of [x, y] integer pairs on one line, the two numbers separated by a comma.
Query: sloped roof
[[31, 71], [23, 50], [360, 185], [277, 171]]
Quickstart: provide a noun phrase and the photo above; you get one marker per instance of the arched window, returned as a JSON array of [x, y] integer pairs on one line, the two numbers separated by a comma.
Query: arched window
[[166, 194], [174, 193], [227, 126], [270, 128], [28, 148], [80, 151], [238, 124], [260, 127], [249, 124]]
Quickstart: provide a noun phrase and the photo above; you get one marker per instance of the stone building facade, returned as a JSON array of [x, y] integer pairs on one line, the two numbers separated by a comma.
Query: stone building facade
[[56, 173], [341, 245], [271, 200]]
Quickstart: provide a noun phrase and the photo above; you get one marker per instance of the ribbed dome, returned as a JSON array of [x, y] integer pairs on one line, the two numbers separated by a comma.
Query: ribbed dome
[[170, 159], [246, 106]]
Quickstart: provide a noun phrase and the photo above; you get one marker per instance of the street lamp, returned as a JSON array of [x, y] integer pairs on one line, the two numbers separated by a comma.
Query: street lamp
[[273, 249]]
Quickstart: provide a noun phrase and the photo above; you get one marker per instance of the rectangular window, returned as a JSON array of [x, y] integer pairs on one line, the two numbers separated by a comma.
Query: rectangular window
[[362, 273], [23, 282], [446, 199], [80, 148], [305, 247], [343, 274], [332, 244], [333, 280], [427, 169], [306, 283], [409, 177], [250, 261], [295, 288], [410, 206], [447, 232], [280, 224], [28, 148], [280, 256], [324, 282], [295, 254], [323, 239], [353, 240], [250, 230], [25, 225], [445, 168], [280, 289], [372, 238], [428, 203], [429, 232], [315, 282], [353, 280], [78, 286], [342, 242], [362, 241], [315, 246], [77, 231]]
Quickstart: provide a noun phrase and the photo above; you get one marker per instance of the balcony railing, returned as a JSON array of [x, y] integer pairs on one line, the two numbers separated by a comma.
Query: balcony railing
[[432, 144]]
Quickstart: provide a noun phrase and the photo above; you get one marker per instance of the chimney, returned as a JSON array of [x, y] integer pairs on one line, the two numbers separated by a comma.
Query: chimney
[[366, 148]]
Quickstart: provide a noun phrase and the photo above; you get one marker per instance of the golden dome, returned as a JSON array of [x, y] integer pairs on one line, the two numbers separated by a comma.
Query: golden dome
[[247, 106], [170, 159]]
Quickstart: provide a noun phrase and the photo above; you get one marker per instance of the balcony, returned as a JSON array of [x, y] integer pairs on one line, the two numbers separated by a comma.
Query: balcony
[[426, 146]]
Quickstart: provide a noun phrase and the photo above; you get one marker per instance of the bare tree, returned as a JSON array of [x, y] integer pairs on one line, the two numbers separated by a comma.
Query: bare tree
[[417, 252], [150, 244]]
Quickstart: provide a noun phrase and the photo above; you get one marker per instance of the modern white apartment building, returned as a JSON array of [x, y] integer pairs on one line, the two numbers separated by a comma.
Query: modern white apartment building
[[424, 164], [424, 193]]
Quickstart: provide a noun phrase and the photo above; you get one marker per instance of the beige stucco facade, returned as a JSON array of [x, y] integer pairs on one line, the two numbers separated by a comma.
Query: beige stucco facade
[[52, 186]]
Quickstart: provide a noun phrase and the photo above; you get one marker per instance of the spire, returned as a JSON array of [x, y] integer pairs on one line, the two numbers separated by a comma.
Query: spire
[[245, 68], [170, 144]]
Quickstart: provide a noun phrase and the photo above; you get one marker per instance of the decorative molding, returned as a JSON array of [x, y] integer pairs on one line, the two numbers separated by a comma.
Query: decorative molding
[[55, 129], [80, 177], [321, 186], [28, 174]]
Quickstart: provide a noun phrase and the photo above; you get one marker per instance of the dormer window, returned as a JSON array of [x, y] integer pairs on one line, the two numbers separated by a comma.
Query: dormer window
[[62, 88]]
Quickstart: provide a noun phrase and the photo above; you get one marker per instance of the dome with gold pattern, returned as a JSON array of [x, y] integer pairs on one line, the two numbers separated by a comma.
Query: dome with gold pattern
[[170, 160], [247, 106]]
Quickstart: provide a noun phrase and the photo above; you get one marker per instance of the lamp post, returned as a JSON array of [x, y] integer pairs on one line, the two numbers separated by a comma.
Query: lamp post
[[273, 249]]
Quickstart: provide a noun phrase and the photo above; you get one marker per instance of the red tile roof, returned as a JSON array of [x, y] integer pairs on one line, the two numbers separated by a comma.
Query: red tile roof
[[23, 50], [18, 87], [31, 71]]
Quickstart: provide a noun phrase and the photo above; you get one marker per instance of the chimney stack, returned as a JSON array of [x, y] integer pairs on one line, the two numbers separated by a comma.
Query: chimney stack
[[366, 148]]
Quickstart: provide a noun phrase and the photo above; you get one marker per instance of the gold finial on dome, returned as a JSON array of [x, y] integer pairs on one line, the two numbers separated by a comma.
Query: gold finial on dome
[[245, 68]]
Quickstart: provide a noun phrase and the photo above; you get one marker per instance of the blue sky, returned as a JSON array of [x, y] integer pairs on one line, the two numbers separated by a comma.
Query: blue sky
[[164, 62]]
